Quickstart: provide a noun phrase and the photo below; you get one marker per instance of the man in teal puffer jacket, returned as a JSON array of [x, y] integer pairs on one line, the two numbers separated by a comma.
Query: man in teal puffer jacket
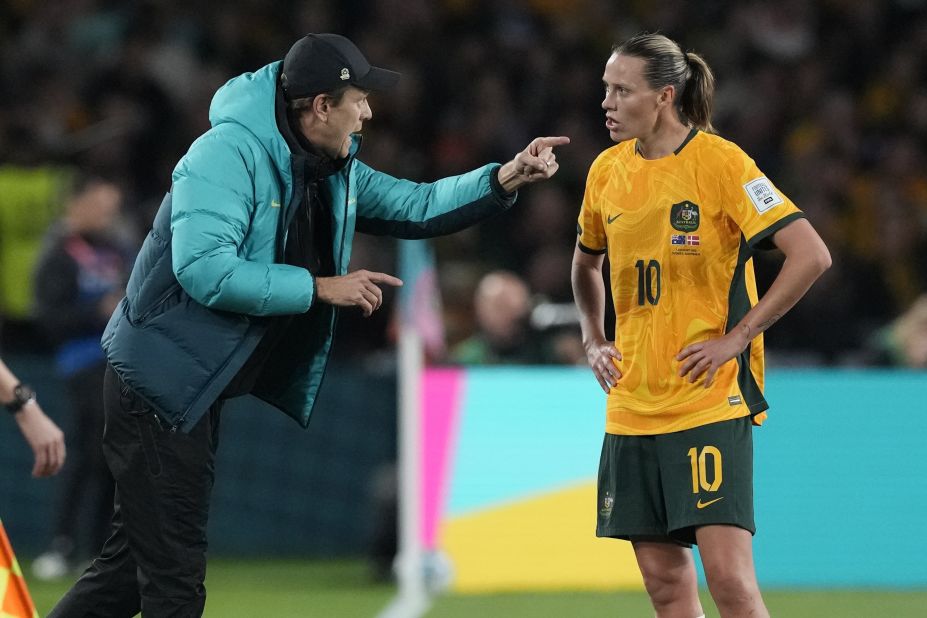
[[235, 291]]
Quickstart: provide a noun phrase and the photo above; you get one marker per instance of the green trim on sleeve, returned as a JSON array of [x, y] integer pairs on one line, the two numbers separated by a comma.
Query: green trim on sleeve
[[586, 249], [738, 306], [763, 240]]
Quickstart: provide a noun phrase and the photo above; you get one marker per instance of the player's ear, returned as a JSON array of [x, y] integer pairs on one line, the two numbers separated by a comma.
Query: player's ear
[[667, 96]]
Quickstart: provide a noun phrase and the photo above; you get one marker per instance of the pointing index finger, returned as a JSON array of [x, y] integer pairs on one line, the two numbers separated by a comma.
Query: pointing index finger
[[384, 278], [550, 142]]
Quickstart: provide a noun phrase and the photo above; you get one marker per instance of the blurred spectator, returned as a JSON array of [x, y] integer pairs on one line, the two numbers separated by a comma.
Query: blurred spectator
[[30, 200], [80, 278], [903, 343], [502, 305]]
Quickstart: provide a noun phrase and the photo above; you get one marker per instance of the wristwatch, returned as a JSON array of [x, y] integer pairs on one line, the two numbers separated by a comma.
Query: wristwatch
[[22, 394]]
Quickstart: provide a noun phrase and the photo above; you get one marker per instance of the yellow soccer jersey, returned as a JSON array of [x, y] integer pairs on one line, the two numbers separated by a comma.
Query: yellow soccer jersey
[[680, 232]]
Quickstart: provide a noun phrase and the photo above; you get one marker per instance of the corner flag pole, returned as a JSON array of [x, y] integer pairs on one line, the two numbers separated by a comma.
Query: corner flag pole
[[412, 600]]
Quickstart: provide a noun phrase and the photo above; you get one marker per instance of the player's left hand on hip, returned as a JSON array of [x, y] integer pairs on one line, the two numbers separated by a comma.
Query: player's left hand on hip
[[706, 357]]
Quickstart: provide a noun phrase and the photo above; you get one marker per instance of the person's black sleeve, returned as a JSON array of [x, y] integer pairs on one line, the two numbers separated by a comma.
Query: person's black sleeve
[[60, 313]]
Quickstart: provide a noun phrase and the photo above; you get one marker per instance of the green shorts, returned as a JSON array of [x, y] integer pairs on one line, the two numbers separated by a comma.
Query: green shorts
[[665, 486]]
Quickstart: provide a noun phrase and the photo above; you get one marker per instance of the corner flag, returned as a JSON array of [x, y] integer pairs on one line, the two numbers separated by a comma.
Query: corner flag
[[419, 297], [15, 601]]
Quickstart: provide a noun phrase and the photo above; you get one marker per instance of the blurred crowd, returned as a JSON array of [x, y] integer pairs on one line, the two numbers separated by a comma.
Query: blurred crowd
[[829, 97]]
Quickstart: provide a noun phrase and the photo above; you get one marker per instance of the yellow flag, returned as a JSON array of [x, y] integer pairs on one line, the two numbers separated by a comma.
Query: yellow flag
[[15, 601]]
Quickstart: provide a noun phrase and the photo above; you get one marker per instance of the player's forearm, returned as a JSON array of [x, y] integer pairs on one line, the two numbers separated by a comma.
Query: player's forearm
[[800, 270], [589, 293]]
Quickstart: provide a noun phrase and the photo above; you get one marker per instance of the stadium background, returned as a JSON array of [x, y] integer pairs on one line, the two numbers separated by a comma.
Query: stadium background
[[829, 97]]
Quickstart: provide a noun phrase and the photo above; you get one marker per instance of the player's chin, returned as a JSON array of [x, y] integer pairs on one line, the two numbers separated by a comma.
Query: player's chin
[[617, 135]]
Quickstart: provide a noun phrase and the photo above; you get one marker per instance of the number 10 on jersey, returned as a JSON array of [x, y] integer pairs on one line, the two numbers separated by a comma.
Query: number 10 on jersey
[[649, 282]]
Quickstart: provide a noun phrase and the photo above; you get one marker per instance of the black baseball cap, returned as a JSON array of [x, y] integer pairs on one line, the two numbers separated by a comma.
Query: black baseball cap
[[320, 63]]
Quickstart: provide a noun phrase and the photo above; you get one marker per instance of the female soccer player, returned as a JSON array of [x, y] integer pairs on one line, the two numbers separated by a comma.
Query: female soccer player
[[679, 212]]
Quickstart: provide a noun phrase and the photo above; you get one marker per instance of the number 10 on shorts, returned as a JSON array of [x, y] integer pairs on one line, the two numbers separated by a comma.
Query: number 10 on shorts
[[699, 461]]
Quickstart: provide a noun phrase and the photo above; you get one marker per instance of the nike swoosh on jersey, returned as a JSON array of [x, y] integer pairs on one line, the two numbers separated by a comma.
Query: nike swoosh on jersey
[[610, 219], [701, 505]]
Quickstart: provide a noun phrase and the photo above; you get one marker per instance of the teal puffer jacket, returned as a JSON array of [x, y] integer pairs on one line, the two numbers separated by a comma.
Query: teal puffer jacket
[[210, 271]]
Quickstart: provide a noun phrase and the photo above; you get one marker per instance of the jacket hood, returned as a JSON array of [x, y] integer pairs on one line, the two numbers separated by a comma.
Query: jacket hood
[[248, 100]]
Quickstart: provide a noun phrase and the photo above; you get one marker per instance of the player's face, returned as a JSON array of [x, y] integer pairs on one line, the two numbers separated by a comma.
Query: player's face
[[631, 106], [343, 119]]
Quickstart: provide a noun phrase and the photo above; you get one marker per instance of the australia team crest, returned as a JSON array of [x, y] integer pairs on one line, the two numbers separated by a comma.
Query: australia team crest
[[684, 216], [608, 502]]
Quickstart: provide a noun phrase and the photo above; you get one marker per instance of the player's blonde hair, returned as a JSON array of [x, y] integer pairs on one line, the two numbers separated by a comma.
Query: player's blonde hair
[[668, 65]]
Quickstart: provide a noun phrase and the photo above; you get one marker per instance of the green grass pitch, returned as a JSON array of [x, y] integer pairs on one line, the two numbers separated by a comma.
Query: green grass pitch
[[342, 589]]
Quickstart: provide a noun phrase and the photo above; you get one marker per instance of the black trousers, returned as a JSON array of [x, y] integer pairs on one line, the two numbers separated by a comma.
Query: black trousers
[[155, 559]]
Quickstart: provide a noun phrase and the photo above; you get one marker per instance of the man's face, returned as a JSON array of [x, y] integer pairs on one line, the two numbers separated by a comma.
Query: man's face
[[342, 120], [631, 106]]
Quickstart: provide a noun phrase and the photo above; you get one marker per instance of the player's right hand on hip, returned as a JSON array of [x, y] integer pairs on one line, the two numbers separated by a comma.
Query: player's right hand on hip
[[358, 289], [602, 356]]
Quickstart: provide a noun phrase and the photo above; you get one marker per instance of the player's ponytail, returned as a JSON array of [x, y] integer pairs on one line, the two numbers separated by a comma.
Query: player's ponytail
[[698, 93], [668, 65]]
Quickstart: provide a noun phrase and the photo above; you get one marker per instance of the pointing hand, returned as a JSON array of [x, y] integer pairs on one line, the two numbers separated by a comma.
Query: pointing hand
[[535, 163], [358, 289]]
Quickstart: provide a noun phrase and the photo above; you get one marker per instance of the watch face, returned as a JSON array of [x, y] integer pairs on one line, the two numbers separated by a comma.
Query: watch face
[[23, 393]]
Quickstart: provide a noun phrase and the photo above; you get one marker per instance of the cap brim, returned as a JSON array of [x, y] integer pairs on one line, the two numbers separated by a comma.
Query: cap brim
[[377, 79]]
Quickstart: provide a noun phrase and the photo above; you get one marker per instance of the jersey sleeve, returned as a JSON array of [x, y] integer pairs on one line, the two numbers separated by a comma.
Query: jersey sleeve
[[754, 203], [589, 227]]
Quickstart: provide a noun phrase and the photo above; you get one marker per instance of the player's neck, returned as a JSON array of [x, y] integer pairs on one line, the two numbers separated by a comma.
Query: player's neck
[[664, 140]]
